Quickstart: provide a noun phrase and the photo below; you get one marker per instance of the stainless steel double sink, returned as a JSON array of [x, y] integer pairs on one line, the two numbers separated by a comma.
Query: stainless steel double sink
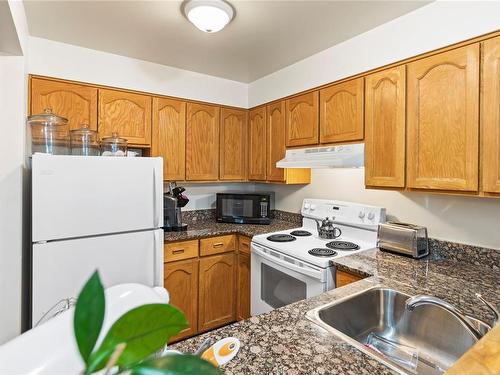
[[437, 336]]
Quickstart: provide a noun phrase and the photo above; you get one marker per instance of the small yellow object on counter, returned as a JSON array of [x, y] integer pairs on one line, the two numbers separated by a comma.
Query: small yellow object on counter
[[222, 351]]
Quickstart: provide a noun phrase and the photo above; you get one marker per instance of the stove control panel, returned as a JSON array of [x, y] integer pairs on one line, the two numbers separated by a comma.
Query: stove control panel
[[348, 213]]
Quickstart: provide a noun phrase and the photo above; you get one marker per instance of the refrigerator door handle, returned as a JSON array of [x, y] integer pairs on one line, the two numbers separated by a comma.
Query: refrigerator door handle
[[158, 260], [158, 195]]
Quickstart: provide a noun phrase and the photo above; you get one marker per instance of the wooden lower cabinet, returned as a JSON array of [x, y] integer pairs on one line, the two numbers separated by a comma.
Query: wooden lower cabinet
[[243, 298], [181, 281], [344, 278], [217, 295]]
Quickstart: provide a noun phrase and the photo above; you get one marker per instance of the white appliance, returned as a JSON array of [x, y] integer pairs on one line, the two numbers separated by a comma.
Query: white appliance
[[92, 212], [284, 272], [341, 156]]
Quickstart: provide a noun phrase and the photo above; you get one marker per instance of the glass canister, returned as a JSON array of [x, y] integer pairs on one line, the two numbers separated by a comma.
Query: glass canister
[[114, 146], [84, 141], [49, 133]]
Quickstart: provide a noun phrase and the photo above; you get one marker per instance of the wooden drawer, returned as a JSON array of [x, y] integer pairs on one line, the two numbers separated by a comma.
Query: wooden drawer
[[180, 250], [343, 278], [244, 244], [217, 245]]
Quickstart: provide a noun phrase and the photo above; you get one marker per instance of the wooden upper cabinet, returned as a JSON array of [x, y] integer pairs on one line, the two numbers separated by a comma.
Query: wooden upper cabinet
[[490, 115], [217, 291], [302, 119], [385, 128], [169, 136], [77, 103], [127, 114], [257, 144], [443, 120], [233, 138], [275, 140], [181, 281], [341, 112], [202, 142]]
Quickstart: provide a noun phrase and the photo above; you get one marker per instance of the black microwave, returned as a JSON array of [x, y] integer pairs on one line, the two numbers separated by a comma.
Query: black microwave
[[244, 208]]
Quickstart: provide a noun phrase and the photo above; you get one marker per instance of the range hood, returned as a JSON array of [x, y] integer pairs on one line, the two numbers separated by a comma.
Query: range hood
[[342, 156]]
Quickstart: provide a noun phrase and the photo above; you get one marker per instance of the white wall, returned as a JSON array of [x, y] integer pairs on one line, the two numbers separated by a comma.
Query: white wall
[[13, 96], [461, 219], [67, 61], [433, 26], [469, 220]]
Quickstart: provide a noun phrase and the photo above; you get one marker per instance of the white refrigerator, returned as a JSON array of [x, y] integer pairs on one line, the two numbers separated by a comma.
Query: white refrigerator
[[92, 212]]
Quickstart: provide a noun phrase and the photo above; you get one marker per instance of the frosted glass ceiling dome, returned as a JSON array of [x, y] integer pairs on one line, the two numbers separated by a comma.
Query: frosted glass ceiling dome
[[209, 16]]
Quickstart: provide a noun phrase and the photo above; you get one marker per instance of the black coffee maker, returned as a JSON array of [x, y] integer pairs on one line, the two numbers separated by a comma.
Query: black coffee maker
[[173, 201]]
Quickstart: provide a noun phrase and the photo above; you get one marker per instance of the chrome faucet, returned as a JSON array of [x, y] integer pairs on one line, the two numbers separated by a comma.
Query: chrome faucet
[[477, 327]]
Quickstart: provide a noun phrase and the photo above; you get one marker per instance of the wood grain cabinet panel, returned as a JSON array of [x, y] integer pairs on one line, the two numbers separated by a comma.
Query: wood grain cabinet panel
[[275, 140], [181, 281], [341, 112], [217, 245], [385, 128], [217, 291], [77, 103], [202, 142], [127, 114], [257, 144], [443, 122], [243, 299], [169, 136], [302, 119], [345, 278], [233, 138], [490, 115]]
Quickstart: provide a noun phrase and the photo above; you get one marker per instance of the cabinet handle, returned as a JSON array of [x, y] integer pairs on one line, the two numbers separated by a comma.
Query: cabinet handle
[[218, 244], [178, 251]]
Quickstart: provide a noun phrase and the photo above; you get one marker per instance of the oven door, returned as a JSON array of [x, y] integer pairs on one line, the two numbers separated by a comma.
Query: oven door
[[278, 280]]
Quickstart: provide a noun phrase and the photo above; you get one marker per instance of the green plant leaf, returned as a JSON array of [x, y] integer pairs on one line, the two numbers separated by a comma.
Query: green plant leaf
[[144, 330], [89, 315], [175, 364]]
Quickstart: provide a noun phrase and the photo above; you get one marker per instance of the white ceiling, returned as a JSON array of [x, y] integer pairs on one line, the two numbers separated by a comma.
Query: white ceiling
[[264, 36]]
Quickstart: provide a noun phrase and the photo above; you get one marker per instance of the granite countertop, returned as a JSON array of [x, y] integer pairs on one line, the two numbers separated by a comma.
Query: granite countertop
[[210, 228], [285, 342]]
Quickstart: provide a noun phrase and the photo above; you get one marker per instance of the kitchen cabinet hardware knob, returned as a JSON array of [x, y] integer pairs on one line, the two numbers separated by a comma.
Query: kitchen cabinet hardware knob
[[218, 244], [178, 251]]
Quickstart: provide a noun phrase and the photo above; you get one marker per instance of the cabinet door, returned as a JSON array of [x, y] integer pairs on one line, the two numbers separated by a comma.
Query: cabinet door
[[243, 300], [341, 112], [443, 123], [275, 140], [217, 291], [127, 114], [202, 142], [77, 103], [169, 136], [257, 144], [302, 119], [490, 115], [233, 137], [181, 281], [385, 128]]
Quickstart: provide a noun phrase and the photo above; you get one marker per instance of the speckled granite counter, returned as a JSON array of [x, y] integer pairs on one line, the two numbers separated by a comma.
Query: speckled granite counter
[[209, 228], [285, 342]]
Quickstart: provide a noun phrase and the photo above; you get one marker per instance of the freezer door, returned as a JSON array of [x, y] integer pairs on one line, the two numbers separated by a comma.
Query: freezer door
[[60, 268], [78, 196]]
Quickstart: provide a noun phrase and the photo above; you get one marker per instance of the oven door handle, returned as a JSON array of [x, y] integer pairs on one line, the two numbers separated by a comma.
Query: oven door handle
[[316, 274]]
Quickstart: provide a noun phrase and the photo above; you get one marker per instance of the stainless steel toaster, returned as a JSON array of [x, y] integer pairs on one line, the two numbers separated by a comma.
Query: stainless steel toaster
[[403, 238]]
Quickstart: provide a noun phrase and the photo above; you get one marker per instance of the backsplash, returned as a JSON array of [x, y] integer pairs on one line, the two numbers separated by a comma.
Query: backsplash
[[209, 214], [464, 253]]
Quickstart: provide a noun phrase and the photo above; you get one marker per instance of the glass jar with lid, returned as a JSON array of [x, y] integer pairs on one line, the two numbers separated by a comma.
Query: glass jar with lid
[[84, 141], [49, 133], [114, 146]]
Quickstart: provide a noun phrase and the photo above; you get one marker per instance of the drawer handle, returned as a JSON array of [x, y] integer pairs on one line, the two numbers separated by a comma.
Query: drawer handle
[[178, 251], [218, 244]]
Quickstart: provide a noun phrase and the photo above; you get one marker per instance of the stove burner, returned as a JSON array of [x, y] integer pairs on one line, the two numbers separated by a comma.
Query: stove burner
[[300, 233], [342, 245], [322, 252], [281, 238]]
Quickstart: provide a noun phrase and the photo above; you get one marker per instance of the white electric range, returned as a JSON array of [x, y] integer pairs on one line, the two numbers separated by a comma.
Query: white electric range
[[291, 265]]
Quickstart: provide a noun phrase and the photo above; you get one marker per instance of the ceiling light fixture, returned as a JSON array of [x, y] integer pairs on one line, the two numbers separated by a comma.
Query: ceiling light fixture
[[209, 16]]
